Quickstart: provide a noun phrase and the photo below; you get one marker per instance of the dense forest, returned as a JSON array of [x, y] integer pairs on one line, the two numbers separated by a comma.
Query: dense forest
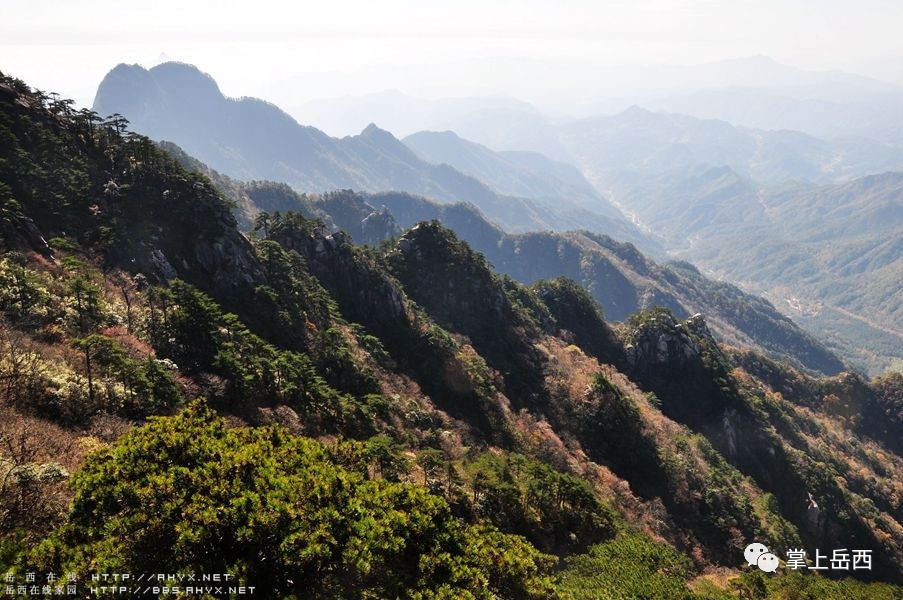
[[321, 418]]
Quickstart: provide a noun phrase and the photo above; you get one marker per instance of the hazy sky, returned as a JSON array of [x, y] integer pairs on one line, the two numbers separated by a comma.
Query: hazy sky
[[249, 47]]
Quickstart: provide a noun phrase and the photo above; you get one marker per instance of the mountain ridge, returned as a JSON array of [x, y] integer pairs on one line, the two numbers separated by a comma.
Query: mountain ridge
[[618, 276], [509, 173], [405, 401], [251, 139]]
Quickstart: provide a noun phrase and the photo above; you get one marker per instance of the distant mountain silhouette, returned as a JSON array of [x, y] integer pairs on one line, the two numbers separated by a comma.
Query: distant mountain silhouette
[[393, 110], [525, 174], [248, 138], [876, 116], [653, 142], [646, 141]]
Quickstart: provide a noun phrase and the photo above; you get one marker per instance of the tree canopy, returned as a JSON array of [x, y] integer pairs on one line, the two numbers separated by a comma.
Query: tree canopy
[[189, 494]]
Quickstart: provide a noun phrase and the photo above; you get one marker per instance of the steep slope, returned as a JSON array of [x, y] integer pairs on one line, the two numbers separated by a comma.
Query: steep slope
[[250, 139], [246, 138], [740, 203], [468, 440], [107, 180], [532, 175], [618, 276], [247, 199], [743, 204], [621, 279]]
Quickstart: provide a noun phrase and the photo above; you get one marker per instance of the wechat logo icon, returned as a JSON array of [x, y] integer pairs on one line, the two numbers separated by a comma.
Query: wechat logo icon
[[752, 553], [757, 554]]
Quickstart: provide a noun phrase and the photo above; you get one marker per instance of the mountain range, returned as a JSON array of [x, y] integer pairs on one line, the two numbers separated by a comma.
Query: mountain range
[[830, 255], [619, 277], [706, 191], [525, 174], [651, 142], [756, 91], [642, 140], [813, 225], [248, 138], [330, 420]]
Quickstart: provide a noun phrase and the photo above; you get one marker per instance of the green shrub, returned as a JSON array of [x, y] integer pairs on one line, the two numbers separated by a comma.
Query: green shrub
[[187, 494], [629, 566]]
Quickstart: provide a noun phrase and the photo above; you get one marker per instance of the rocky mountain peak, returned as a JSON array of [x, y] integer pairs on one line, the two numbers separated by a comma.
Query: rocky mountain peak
[[661, 339], [379, 225]]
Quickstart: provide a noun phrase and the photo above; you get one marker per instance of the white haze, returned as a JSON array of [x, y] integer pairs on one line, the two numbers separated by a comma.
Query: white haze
[[565, 56]]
